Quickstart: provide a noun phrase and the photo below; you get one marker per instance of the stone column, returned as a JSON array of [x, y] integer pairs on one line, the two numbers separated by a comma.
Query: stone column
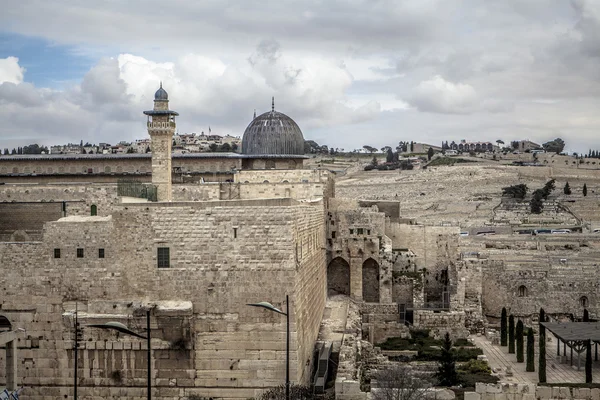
[[356, 281], [11, 366]]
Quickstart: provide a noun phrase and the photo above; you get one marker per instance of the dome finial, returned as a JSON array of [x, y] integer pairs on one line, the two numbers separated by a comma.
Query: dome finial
[[161, 84], [273, 103], [255, 113]]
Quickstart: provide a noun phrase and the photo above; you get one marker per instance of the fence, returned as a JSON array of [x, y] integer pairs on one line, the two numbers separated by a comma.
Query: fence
[[132, 188]]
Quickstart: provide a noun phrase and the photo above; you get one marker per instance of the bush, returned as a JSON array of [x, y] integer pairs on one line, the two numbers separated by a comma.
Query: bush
[[476, 367], [463, 343], [469, 380]]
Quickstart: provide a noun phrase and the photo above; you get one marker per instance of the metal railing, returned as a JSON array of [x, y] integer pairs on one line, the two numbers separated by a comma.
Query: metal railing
[[133, 188]]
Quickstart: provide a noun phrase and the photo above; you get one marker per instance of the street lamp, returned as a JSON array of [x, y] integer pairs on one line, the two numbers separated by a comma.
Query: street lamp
[[271, 307], [117, 326]]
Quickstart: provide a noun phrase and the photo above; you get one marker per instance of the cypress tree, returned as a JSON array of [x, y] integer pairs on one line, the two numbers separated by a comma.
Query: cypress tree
[[586, 315], [530, 352], [588, 361], [519, 338], [511, 334], [584, 190], [503, 328], [567, 189], [446, 374], [542, 352]]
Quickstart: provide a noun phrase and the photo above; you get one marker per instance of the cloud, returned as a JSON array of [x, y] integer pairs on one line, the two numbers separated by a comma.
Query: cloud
[[440, 96], [10, 71], [206, 91]]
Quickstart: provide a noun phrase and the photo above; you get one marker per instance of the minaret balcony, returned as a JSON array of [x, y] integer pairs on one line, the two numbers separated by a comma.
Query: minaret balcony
[[161, 125]]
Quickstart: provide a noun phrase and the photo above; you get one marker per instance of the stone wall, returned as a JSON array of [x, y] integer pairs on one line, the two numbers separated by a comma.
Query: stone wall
[[29, 218], [223, 255], [523, 391]]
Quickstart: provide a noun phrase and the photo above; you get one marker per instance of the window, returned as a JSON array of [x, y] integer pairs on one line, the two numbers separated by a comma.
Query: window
[[583, 301], [352, 231], [359, 231], [333, 234], [100, 253], [235, 233], [332, 222], [56, 253], [93, 210], [522, 291], [368, 231], [163, 257], [79, 253]]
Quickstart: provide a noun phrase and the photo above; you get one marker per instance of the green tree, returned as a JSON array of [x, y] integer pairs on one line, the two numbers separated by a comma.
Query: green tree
[[530, 351], [370, 149], [390, 155], [6, 152], [567, 189], [584, 190], [554, 146], [511, 334], [234, 147], [537, 202], [429, 153], [374, 161], [515, 191], [412, 146], [447, 375], [213, 147], [503, 328], [542, 351], [588, 361], [225, 148], [519, 340]]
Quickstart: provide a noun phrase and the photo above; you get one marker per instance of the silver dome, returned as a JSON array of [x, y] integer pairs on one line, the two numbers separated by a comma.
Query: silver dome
[[273, 133]]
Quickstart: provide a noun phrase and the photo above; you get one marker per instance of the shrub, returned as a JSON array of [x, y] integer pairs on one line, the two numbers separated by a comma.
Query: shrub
[[476, 367]]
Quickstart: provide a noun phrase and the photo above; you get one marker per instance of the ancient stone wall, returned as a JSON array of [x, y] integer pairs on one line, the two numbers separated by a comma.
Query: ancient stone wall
[[523, 391], [220, 259]]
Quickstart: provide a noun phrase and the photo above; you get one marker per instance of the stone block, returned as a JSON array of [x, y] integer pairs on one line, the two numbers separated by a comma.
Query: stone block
[[500, 396], [584, 393], [564, 393], [544, 392], [480, 387], [472, 396], [527, 396], [494, 388], [595, 394]]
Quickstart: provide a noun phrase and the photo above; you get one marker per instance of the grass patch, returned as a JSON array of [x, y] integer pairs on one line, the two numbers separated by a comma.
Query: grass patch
[[448, 161]]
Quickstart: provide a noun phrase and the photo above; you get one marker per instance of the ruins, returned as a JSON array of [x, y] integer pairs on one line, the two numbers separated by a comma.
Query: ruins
[[435, 248]]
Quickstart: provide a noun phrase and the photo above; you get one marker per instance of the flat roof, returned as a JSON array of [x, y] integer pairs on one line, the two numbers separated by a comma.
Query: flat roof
[[574, 331], [53, 157]]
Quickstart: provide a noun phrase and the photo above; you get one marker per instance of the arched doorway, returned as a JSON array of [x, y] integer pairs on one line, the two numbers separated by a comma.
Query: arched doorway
[[370, 278], [93, 210], [338, 277]]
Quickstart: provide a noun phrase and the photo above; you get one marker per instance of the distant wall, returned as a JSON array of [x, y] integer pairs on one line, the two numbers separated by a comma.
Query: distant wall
[[524, 391], [26, 217]]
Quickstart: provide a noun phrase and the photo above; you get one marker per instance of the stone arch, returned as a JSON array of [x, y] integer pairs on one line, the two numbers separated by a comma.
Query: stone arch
[[5, 324], [370, 280], [522, 291], [584, 302], [338, 276], [270, 164]]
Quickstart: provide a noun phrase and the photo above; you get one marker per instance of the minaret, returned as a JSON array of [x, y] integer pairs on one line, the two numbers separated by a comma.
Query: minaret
[[161, 127]]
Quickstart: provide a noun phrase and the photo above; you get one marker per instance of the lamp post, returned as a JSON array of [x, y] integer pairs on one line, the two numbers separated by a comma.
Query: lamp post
[[117, 326], [271, 307]]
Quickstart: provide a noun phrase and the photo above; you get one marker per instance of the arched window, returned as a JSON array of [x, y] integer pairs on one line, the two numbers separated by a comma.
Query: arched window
[[522, 291], [93, 210], [107, 170], [583, 301]]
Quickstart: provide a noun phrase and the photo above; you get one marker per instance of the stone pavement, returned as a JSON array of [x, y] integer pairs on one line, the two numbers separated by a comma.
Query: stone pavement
[[556, 372]]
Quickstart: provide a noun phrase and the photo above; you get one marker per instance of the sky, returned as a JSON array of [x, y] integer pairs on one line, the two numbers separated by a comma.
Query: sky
[[349, 72]]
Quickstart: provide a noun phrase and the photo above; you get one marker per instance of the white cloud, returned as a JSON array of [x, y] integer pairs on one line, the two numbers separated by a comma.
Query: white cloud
[[439, 95], [10, 71]]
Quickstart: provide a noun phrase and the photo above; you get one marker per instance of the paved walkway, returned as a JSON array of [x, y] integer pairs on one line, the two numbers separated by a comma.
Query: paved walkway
[[556, 372]]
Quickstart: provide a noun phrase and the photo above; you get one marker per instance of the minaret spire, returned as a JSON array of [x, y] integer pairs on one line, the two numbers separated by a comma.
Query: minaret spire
[[273, 104]]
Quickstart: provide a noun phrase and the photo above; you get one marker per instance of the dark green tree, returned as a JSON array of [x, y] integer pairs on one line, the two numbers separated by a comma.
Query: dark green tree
[[412, 146], [213, 147], [567, 189], [537, 202], [515, 191], [225, 148], [390, 155], [447, 375], [584, 190], [503, 328], [429, 153], [530, 352], [511, 334], [586, 315], [519, 340], [588, 361], [542, 351], [554, 146]]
